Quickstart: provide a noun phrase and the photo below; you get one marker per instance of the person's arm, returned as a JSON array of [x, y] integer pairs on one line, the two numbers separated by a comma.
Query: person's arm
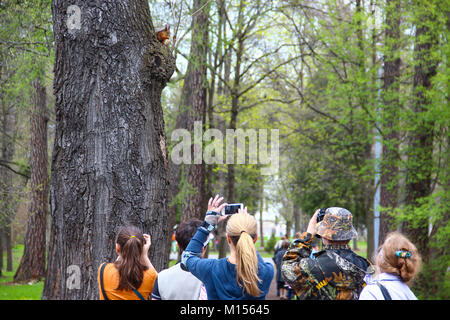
[[190, 258], [155, 293], [195, 246], [145, 260], [297, 256]]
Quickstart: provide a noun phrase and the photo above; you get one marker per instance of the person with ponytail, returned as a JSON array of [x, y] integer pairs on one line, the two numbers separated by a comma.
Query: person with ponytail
[[397, 263], [132, 275], [243, 275]]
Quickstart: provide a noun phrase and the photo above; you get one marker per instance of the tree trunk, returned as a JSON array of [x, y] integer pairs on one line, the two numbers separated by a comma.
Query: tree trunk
[[1, 251], [194, 102], [297, 218], [389, 168], [288, 228], [109, 165], [235, 94], [420, 160], [8, 240], [261, 220], [8, 125], [32, 264]]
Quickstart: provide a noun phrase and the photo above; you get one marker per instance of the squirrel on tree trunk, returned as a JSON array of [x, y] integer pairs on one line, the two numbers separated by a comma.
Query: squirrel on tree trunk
[[163, 35]]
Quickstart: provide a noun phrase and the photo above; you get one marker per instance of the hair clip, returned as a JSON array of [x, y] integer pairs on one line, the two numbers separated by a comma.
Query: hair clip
[[403, 254], [132, 237]]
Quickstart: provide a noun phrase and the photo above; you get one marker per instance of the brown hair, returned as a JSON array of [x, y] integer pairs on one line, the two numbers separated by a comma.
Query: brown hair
[[407, 267], [131, 269], [186, 231], [241, 228]]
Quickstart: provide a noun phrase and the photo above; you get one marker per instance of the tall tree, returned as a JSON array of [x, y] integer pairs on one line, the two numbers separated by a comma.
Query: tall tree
[[109, 161], [390, 117], [8, 133], [421, 135], [30, 53], [193, 109], [32, 263]]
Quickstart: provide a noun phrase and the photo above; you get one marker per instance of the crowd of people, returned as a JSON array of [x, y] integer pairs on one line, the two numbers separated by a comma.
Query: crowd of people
[[334, 272]]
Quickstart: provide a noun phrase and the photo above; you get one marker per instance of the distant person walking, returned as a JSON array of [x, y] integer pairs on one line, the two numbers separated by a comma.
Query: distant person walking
[[397, 263], [132, 275], [334, 273], [242, 276], [281, 284], [175, 283]]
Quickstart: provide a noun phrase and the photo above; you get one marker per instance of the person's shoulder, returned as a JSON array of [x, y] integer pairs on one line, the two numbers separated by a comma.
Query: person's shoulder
[[104, 265], [319, 253], [205, 265], [363, 262], [151, 271], [370, 292], [170, 270], [108, 268]]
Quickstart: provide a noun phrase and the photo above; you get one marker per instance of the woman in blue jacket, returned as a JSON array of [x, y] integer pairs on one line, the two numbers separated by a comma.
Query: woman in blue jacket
[[243, 275]]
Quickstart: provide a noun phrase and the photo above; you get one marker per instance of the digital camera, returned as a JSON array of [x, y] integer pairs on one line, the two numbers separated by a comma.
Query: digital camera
[[321, 214]]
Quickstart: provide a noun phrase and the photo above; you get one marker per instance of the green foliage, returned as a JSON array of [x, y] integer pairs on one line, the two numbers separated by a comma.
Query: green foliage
[[269, 245]]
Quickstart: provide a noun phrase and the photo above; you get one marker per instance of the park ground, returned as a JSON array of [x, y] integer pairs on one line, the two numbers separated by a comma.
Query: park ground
[[33, 290]]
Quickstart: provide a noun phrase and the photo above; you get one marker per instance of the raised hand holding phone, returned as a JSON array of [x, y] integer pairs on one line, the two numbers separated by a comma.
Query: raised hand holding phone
[[213, 216]]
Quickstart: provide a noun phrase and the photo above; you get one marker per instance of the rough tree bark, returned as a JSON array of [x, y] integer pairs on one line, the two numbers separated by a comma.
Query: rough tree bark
[[194, 109], [391, 85], [109, 162], [8, 124], [420, 160], [420, 156], [32, 264]]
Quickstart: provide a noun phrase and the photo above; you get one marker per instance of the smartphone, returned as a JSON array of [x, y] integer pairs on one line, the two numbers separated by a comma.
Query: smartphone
[[233, 208]]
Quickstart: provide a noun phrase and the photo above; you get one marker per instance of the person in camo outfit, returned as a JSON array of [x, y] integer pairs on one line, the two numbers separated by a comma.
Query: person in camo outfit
[[334, 273]]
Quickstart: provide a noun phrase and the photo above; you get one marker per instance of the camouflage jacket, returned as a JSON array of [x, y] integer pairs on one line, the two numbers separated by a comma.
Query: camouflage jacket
[[335, 273]]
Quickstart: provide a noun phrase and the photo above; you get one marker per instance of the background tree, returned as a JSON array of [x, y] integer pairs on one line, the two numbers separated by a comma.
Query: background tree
[[27, 45], [389, 183], [424, 144], [32, 263], [193, 109]]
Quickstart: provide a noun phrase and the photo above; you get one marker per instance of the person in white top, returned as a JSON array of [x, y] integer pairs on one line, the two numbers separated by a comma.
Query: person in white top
[[397, 263], [175, 283]]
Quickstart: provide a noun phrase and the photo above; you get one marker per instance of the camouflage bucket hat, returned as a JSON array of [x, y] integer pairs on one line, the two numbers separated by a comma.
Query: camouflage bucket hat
[[337, 225]]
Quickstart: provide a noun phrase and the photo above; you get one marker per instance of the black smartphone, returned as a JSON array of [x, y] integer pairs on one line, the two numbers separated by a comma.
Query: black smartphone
[[233, 208]]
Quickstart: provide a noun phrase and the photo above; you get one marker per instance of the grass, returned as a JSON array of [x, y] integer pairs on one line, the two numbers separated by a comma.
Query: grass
[[18, 291]]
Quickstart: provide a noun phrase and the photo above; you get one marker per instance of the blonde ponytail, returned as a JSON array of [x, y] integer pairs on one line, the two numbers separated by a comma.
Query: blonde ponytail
[[242, 230]]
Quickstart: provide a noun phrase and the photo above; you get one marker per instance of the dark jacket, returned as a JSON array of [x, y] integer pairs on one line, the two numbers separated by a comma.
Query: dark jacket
[[336, 273], [278, 258]]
